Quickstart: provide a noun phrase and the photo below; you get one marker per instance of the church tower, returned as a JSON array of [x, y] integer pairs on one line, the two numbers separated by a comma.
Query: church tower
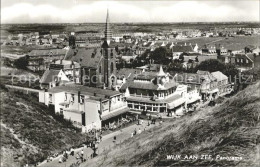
[[109, 56]]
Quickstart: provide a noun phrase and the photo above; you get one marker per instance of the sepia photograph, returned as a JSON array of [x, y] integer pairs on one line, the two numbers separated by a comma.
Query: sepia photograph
[[130, 83]]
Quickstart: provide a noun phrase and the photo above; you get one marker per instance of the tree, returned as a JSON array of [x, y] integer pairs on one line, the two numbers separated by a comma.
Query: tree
[[7, 62], [22, 62], [159, 55], [176, 67], [213, 65], [181, 58]]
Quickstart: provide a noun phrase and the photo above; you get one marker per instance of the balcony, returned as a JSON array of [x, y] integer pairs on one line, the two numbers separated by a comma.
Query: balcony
[[143, 96]]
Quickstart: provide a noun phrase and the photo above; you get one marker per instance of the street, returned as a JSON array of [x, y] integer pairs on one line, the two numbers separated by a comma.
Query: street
[[106, 143]]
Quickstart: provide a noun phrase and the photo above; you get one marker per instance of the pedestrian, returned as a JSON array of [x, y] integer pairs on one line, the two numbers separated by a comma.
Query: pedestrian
[[135, 131], [142, 122], [72, 152], [132, 134], [114, 138], [60, 160], [160, 122], [82, 153], [139, 131], [78, 156]]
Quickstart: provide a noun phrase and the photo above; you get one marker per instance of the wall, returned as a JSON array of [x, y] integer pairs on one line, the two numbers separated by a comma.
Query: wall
[[73, 116], [57, 99], [42, 97], [92, 115]]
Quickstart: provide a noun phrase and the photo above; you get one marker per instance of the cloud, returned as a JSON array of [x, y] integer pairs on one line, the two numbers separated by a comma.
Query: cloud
[[124, 11]]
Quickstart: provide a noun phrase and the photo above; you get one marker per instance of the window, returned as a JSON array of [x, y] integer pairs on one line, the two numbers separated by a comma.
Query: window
[[66, 106], [82, 99], [247, 61], [237, 60], [66, 96], [241, 60], [100, 70], [50, 98], [72, 97], [61, 111], [112, 67], [111, 54]]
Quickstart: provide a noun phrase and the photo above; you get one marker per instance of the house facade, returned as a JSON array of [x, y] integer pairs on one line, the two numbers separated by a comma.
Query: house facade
[[155, 92], [48, 55], [209, 85], [88, 108], [52, 78]]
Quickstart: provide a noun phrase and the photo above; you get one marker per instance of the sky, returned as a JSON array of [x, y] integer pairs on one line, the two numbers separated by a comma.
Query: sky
[[84, 11]]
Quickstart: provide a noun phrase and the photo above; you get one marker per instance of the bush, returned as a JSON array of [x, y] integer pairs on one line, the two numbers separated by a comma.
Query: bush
[[22, 62]]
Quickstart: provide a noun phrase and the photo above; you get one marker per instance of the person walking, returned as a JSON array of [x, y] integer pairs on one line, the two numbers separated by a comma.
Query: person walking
[[132, 134], [139, 131], [114, 138], [82, 153], [72, 152]]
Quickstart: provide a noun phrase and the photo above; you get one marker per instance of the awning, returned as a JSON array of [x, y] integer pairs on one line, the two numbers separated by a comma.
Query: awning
[[213, 91], [192, 100], [115, 113], [175, 103], [64, 103]]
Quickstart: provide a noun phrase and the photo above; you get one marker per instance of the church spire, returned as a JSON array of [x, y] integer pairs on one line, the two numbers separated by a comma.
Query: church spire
[[108, 32]]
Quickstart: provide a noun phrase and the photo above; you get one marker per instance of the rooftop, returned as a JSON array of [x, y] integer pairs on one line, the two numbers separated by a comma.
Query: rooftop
[[48, 76], [184, 49], [48, 52], [95, 93], [219, 75]]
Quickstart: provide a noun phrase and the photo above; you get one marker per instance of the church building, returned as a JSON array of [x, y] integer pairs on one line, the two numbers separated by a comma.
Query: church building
[[98, 65]]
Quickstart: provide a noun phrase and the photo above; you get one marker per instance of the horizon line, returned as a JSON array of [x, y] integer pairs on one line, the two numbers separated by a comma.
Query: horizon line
[[141, 22]]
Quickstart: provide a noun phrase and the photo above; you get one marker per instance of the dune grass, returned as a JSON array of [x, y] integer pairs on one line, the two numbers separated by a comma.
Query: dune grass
[[29, 133]]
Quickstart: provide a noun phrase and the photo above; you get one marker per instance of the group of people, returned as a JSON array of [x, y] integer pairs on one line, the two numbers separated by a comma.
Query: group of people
[[65, 155], [150, 119]]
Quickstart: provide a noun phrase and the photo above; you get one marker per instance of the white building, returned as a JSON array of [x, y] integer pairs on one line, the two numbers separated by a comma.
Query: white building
[[86, 107]]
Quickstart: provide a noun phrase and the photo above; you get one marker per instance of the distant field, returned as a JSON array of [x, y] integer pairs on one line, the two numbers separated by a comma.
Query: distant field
[[19, 50], [232, 43], [119, 27]]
